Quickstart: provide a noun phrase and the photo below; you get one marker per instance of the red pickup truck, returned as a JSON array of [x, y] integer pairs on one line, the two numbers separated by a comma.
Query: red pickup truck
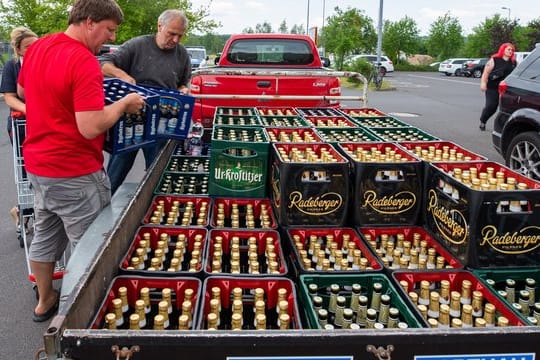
[[264, 70]]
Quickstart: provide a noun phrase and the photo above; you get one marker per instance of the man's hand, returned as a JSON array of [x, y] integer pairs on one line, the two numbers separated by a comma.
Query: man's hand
[[133, 103]]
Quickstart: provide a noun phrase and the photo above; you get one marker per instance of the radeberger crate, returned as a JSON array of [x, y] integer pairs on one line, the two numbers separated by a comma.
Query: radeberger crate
[[387, 184], [131, 131], [280, 117], [403, 133], [236, 116], [443, 151], [489, 222], [310, 185], [362, 112], [178, 211], [292, 135], [464, 296], [410, 248], [338, 135], [239, 162], [517, 289], [178, 183]]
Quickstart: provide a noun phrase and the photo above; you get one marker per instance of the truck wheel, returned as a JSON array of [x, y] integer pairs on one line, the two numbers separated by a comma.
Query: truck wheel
[[477, 73], [523, 154]]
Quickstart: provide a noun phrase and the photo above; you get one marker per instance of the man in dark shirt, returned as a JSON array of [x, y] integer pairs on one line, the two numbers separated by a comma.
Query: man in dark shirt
[[157, 60]]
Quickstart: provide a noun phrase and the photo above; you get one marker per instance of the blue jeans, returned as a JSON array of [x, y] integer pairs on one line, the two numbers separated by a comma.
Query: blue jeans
[[120, 164]]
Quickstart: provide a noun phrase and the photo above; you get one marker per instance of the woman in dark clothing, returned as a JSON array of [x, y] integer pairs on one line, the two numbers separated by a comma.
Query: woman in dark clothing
[[497, 68]]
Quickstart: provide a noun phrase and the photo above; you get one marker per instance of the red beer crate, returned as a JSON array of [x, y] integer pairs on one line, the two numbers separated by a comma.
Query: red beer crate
[[410, 248], [257, 210], [465, 286], [309, 185], [387, 187], [269, 259], [155, 286], [247, 292], [191, 243], [362, 112], [440, 151], [483, 228], [178, 210], [330, 122], [292, 135]]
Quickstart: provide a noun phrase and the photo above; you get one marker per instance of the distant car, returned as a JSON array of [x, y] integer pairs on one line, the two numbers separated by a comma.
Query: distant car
[[516, 130], [386, 64], [452, 66], [474, 68]]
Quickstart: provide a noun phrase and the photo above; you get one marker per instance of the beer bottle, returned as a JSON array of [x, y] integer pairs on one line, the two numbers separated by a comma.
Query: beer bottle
[[376, 296], [211, 321], [134, 322], [145, 296], [393, 318], [117, 306], [455, 305], [530, 286], [110, 321], [524, 302], [423, 297], [139, 310], [361, 316], [466, 315], [384, 309], [334, 292], [510, 289], [261, 322], [236, 321], [433, 310], [465, 292], [477, 304], [163, 307], [489, 314], [159, 322], [122, 294], [322, 317], [444, 316], [340, 307]]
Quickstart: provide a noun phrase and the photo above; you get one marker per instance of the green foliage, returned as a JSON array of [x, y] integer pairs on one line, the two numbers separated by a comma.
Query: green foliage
[[283, 27], [42, 16], [410, 67], [490, 34], [528, 36], [360, 66], [445, 37], [400, 36]]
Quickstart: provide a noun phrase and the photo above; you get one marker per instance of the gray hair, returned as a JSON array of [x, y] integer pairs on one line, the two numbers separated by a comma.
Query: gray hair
[[168, 15]]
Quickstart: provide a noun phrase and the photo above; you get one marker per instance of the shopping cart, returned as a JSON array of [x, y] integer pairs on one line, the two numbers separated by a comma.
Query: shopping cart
[[25, 198]]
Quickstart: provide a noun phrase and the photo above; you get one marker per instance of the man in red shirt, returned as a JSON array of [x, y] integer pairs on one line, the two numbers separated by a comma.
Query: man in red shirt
[[66, 119]]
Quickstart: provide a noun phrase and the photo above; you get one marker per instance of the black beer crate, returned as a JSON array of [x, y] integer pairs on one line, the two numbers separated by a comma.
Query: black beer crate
[[260, 209], [292, 135], [179, 149], [280, 117], [316, 285], [383, 192], [239, 161], [131, 131], [186, 211], [410, 283], [483, 228], [333, 243], [330, 122], [134, 284], [508, 284], [403, 133], [190, 241], [314, 111], [310, 190], [194, 164], [339, 135], [393, 247], [440, 151], [362, 112], [266, 244], [180, 184], [236, 116], [271, 288], [380, 122]]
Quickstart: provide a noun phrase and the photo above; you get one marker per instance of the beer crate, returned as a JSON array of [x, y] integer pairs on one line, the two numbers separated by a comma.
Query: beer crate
[[483, 228], [411, 283], [410, 248], [308, 191], [194, 164], [510, 283], [280, 117], [361, 112], [236, 116], [239, 162], [402, 134], [182, 210], [180, 148], [175, 112], [328, 286], [339, 135], [333, 243], [155, 285], [266, 244], [180, 184], [443, 151], [380, 122], [248, 290], [190, 241], [387, 191], [324, 112], [131, 131], [257, 210], [292, 135], [330, 122]]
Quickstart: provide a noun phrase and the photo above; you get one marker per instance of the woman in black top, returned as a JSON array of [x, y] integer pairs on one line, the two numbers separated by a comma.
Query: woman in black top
[[497, 68]]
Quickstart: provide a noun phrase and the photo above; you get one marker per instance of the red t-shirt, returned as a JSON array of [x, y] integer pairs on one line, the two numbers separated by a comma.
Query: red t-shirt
[[60, 76]]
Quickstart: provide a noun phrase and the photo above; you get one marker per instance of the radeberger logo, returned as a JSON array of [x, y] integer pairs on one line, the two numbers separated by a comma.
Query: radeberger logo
[[237, 174], [451, 224], [320, 205], [519, 242], [393, 204]]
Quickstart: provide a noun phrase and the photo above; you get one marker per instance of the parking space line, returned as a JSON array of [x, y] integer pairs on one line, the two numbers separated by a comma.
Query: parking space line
[[443, 79]]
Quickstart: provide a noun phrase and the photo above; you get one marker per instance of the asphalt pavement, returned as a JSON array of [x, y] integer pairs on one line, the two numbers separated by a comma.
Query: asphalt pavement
[[447, 107]]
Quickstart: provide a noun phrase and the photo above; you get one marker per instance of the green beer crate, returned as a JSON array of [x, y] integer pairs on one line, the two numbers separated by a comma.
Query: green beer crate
[[338, 135], [280, 117], [380, 122], [239, 162], [403, 133], [236, 116], [322, 286], [361, 112]]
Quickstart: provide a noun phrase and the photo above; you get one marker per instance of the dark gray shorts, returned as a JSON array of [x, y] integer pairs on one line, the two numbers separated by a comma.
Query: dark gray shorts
[[64, 209]]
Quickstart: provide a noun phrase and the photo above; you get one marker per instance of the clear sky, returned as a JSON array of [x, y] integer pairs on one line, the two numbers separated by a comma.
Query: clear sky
[[236, 15]]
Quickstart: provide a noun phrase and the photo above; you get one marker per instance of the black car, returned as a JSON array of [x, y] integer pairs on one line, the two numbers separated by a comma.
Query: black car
[[516, 133], [474, 68]]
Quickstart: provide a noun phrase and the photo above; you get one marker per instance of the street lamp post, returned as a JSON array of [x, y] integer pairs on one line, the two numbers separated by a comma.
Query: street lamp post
[[507, 8], [307, 21]]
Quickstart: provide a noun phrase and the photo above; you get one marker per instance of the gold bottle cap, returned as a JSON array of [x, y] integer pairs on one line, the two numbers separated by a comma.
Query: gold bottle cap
[[159, 321], [110, 321], [134, 321], [502, 321], [211, 320]]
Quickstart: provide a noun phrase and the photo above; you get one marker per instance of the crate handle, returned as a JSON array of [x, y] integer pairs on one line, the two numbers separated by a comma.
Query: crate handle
[[380, 352], [124, 353]]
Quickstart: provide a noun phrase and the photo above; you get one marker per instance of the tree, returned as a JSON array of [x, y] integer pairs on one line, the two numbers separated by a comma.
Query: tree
[[265, 27], [490, 34], [348, 32], [445, 37], [283, 27], [400, 36], [298, 29], [530, 35]]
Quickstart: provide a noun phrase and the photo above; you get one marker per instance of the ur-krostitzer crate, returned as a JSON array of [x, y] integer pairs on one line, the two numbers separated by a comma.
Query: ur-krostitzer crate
[[310, 184], [239, 161], [386, 184], [280, 117], [491, 221], [131, 131], [236, 116]]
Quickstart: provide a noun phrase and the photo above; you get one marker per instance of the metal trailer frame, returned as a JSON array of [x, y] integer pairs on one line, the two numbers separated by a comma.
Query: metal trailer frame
[[93, 266]]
